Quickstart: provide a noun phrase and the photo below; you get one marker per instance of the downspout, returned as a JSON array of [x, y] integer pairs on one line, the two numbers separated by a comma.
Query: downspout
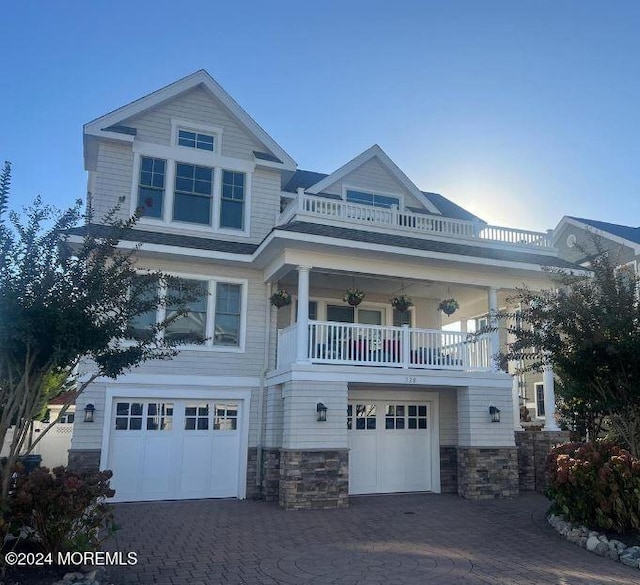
[[263, 386]]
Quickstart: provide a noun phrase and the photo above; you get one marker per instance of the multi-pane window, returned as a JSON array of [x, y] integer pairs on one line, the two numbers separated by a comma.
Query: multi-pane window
[[159, 416], [394, 416], [193, 194], [196, 417], [228, 311], [232, 200], [151, 186], [373, 199], [191, 327], [417, 416], [197, 140], [129, 416], [364, 415], [225, 417]]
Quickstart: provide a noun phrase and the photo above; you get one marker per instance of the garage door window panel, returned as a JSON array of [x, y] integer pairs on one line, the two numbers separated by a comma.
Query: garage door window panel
[[129, 416], [226, 417], [417, 416], [196, 417], [365, 417], [395, 416], [159, 416]]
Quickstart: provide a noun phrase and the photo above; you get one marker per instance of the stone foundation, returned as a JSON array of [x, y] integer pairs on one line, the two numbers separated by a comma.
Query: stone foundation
[[487, 472], [448, 470], [253, 490], [315, 479], [533, 448], [84, 460], [271, 474]]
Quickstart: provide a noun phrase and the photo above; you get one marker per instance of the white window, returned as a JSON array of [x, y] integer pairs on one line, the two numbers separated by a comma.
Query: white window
[[200, 140], [193, 193], [151, 186], [373, 199], [216, 315], [232, 200]]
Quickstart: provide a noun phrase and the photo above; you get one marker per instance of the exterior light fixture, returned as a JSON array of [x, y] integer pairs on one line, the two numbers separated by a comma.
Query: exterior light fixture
[[321, 409], [494, 411], [89, 409]]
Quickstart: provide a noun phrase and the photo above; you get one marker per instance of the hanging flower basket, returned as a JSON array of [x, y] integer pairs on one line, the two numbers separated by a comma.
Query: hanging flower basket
[[280, 298], [448, 306], [401, 303], [353, 296]]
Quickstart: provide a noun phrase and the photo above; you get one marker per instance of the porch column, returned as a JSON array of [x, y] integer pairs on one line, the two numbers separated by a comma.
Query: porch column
[[494, 341], [549, 399], [302, 331]]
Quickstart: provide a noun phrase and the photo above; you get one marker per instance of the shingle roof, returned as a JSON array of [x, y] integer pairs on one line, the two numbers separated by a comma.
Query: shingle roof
[[306, 179], [622, 231], [147, 237], [68, 397], [427, 245]]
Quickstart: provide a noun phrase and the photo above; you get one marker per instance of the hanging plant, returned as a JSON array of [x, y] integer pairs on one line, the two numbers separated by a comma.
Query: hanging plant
[[448, 306], [401, 303], [353, 296], [280, 298]]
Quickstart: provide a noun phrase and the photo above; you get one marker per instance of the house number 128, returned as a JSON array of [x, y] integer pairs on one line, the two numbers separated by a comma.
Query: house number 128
[[410, 380]]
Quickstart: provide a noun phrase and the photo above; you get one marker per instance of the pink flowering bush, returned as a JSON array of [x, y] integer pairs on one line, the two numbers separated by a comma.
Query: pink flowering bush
[[595, 484]]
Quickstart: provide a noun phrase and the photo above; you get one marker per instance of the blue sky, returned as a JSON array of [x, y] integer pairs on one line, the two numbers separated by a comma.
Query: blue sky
[[519, 111]]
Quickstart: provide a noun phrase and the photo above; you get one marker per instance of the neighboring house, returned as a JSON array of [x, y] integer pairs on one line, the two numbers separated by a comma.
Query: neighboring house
[[407, 403]]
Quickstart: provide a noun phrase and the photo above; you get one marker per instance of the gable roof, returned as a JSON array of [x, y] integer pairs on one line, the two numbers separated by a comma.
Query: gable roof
[[373, 152], [622, 234], [105, 126], [447, 208]]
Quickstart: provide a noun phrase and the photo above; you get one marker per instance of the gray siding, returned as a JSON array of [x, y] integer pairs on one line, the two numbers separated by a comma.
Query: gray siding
[[373, 176], [113, 179], [197, 106]]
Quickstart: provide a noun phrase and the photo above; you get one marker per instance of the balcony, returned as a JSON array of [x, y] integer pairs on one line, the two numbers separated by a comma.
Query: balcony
[[310, 207], [385, 346]]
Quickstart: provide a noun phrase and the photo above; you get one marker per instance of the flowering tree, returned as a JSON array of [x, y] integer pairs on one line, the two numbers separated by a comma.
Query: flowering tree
[[62, 305]]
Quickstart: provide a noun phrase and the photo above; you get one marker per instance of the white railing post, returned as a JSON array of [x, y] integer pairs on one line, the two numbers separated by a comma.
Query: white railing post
[[406, 346], [549, 399], [302, 336]]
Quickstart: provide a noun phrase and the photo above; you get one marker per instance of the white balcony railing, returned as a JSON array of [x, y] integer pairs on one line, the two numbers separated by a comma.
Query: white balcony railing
[[409, 222], [396, 347]]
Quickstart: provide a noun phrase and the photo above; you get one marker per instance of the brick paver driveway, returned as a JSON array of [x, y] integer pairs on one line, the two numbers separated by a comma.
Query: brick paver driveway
[[387, 540]]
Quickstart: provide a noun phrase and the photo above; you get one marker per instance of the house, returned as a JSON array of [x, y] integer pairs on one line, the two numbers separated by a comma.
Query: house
[[307, 403]]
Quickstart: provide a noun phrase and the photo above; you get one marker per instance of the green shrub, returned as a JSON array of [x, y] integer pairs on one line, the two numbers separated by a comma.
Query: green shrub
[[65, 511], [596, 485]]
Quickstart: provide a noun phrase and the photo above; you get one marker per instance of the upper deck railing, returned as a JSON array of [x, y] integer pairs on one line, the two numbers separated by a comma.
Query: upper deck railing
[[409, 222]]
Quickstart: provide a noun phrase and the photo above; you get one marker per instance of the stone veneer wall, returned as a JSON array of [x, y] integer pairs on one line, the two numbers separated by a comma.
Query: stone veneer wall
[[253, 490], [487, 472], [271, 474], [533, 448], [84, 460], [314, 479], [448, 469]]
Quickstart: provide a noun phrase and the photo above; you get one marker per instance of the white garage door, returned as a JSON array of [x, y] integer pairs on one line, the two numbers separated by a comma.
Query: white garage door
[[174, 449], [390, 447]]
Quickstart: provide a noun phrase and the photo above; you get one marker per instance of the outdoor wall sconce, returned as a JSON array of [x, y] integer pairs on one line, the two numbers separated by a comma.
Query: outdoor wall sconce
[[321, 409], [495, 413], [89, 409]]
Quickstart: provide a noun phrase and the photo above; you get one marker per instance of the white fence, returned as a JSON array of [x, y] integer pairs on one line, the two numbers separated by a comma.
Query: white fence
[[53, 447]]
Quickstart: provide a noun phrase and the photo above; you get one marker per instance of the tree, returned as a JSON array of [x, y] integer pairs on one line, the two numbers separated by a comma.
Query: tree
[[588, 329], [66, 306]]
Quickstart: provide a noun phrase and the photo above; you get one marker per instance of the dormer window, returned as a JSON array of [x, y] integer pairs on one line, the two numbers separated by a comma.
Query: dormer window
[[373, 199], [198, 140]]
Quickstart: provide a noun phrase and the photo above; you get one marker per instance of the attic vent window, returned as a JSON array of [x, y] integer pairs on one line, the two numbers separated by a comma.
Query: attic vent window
[[196, 140], [373, 199]]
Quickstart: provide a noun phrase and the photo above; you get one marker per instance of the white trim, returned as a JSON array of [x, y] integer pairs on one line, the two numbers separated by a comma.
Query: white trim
[[173, 379], [130, 390], [374, 152], [350, 187], [168, 92], [566, 220], [215, 131]]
